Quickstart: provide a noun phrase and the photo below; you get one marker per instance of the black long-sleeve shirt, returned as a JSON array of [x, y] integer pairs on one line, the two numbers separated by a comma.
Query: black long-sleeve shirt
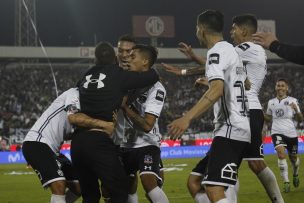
[[292, 53], [102, 88]]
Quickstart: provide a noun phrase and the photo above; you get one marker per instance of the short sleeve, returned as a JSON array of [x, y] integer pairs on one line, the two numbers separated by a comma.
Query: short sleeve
[[215, 66], [269, 110], [155, 101], [72, 103]]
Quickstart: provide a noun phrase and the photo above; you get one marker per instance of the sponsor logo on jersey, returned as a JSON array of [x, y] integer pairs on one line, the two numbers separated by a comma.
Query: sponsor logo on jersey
[[160, 95], [214, 59], [279, 112]]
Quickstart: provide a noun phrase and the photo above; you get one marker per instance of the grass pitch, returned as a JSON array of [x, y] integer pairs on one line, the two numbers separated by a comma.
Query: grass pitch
[[20, 185]]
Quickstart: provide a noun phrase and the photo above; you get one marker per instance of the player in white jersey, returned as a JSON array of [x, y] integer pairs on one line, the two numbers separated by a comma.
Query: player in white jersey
[[141, 144], [254, 60], [283, 110], [254, 57], [226, 76], [41, 146]]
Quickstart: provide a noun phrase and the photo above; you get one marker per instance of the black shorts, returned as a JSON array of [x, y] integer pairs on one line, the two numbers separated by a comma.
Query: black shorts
[[201, 167], [161, 165], [48, 166], [146, 160], [290, 143], [225, 157], [254, 150]]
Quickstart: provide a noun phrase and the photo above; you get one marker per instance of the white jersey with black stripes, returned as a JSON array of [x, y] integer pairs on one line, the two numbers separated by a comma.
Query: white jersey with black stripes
[[151, 102], [231, 110], [254, 59], [53, 124]]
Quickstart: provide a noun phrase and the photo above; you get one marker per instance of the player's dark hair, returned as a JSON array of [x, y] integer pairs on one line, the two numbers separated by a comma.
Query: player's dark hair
[[127, 38], [148, 51], [105, 54], [213, 20], [283, 80], [248, 20]]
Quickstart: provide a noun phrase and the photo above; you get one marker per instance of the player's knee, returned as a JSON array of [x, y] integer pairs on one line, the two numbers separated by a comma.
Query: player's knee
[[58, 187], [194, 184], [148, 181], [215, 193], [257, 165]]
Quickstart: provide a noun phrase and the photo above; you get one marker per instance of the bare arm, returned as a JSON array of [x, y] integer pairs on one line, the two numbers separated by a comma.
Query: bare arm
[[215, 91], [187, 51], [83, 120], [184, 71], [143, 123], [268, 118], [298, 114]]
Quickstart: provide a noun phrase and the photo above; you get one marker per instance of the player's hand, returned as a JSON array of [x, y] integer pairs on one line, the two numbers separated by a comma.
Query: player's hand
[[114, 117], [172, 69], [203, 81], [264, 39], [109, 128], [186, 49], [178, 127]]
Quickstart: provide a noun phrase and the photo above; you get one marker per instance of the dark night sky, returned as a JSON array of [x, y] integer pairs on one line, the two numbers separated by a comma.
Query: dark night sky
[[68, 22]]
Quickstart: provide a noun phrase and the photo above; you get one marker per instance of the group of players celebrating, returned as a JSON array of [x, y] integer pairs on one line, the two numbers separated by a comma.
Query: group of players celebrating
[[112, 114]]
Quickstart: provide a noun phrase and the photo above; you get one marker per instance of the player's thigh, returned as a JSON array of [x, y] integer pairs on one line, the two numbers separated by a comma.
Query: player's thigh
[[225, 157], [43, 161]]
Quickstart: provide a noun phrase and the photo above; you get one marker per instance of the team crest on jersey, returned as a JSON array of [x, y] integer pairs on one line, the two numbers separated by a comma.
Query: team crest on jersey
[[71, 109], [286, 103], [148, 159], [160, 95], [214, 59], [279, 112]]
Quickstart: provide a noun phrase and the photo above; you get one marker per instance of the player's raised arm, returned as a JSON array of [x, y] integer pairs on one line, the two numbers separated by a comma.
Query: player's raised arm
[[187, 51]]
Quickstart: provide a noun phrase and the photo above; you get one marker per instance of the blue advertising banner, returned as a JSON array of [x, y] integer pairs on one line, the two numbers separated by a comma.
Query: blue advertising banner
[[166, 153]]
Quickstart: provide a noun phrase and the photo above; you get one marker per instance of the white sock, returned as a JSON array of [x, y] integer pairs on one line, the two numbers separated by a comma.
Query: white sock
[[132, 198], [158, 196], [70, 197], [295, 167], [201, 198], [282, 163], [58, 198], [225, 200], [269, 181], [231, 195]]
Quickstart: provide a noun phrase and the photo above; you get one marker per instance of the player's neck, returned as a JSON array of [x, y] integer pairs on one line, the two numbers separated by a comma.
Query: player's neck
[[247, 39], [280, 97], [213, 39]]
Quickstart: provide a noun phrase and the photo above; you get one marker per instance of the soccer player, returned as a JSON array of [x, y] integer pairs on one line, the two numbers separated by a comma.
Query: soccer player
[[226, 76], [283, 110], [93, 152], [140, 147], [41, 146], [293, 53], [254, 60]]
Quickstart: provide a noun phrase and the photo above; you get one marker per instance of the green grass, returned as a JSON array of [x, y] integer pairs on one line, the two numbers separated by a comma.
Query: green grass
[[27, 188]]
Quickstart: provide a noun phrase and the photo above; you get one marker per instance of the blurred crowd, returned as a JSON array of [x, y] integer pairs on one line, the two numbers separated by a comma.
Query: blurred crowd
[[27, 89]]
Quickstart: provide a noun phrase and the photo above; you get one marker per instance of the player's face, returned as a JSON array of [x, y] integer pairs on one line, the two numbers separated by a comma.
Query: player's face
[[137, 61], [124, 50], [281, 88], [236, 34]]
